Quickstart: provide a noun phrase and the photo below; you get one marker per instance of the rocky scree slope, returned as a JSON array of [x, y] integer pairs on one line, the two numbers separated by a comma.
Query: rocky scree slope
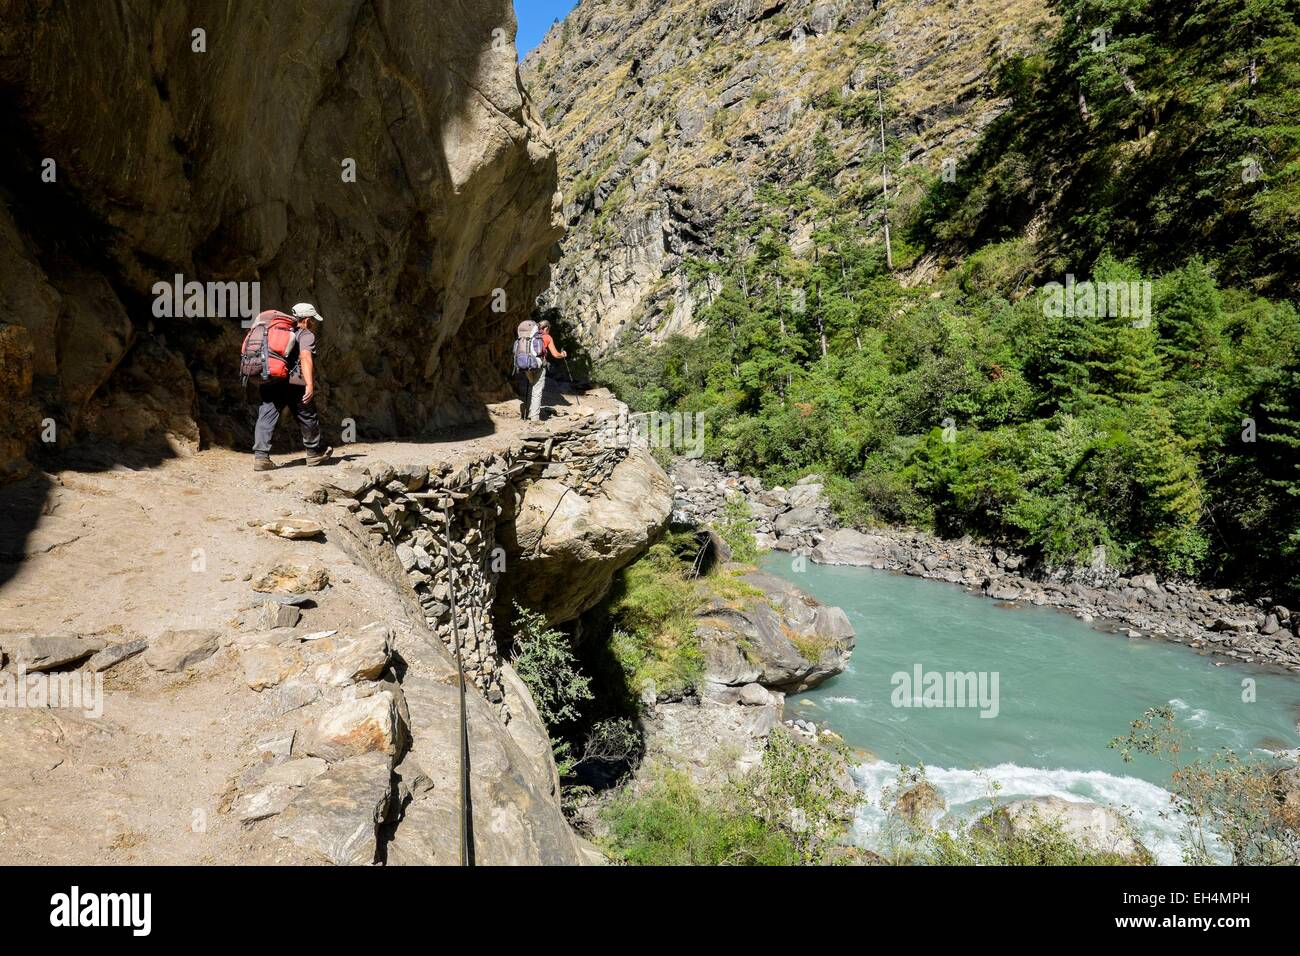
[[227, 164], [678, 124]]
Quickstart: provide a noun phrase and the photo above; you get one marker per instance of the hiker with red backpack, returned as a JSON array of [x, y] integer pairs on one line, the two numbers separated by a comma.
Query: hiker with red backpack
[[279, 353], [533, 348]]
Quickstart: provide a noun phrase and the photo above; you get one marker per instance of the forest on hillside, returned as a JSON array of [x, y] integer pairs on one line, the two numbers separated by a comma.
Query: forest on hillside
[[1104, 359]]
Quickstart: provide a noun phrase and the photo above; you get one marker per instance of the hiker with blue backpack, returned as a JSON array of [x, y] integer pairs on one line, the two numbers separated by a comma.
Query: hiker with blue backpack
[[534, 347]]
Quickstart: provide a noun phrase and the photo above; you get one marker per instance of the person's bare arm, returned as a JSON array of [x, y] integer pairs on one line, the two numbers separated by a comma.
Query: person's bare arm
[[308, 376], [555, 354]]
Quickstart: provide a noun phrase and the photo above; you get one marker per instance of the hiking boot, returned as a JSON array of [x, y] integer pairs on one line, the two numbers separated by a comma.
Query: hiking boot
[[263, 464], [319, 459]]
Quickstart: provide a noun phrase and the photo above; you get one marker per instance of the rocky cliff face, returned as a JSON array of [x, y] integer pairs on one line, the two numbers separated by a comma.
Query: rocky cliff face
[[674, 120], [154, 138]]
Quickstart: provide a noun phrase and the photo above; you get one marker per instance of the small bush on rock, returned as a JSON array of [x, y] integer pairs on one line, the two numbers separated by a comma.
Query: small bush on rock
[[545, 662], [736, 527], [804, 790]]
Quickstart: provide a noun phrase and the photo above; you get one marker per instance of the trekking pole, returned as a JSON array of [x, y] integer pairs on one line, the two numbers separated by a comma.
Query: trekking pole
[[572, 384], [466, 811]]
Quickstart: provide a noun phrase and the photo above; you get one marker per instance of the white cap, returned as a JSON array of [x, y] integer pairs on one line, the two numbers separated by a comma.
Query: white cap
[[305, 310]]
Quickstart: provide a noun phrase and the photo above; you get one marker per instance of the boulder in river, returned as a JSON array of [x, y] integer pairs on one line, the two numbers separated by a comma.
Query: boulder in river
[[776, 635], [920, 803], [1095, 828]]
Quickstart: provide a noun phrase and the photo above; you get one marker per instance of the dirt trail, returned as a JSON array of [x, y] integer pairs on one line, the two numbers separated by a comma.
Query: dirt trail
[[127, 554]]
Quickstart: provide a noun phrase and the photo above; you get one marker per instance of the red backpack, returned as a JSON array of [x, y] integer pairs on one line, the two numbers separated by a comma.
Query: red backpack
[[268, 347]]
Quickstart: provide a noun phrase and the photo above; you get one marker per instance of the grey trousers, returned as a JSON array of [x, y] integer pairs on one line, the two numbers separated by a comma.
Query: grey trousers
[[278, 395], [533, 400]]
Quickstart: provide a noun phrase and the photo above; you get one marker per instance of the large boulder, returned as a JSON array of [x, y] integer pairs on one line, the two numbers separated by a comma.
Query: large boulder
[[1095, 828], [807, 496], [712, 742], [564, 549], [774, 635], [847, 546], [799, 519]]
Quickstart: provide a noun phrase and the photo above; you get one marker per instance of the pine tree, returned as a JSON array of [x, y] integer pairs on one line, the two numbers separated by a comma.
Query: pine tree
[[1279, 434], [1189, 312]]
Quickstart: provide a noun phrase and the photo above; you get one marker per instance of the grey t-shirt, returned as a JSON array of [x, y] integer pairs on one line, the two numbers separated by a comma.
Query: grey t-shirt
[[306, 343]]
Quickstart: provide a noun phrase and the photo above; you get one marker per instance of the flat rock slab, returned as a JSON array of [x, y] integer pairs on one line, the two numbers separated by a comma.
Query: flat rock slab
[[176, 650], [295, 529], [336, 816], [273, 787], [43, 653], [330, 661], [292, 579], [115, 654], [267, 665], [262, 802]]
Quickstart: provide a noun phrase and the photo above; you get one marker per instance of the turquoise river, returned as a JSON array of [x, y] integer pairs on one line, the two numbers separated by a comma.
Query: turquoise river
[[1064, 689]]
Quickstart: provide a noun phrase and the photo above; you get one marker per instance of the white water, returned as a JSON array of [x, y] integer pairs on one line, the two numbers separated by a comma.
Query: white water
[[967, 792]]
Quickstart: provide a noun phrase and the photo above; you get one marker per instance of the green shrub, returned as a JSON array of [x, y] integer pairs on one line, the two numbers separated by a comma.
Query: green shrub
[[544, 660], [804, 790], [1249, 806], [735, 526], [789, 810], [650, 619], [673, 824]]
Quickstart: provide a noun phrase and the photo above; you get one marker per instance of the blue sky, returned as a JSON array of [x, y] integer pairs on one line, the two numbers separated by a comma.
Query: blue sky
[[535, 18]]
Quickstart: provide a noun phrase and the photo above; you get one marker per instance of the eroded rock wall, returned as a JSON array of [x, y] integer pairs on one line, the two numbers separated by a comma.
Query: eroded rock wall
[[223, 156]]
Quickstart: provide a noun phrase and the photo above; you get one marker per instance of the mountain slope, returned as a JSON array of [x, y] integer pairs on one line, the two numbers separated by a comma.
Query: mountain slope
[[676, 121]]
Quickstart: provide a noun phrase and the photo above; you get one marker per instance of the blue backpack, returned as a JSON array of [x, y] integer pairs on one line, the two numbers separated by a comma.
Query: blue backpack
[[529, 347]]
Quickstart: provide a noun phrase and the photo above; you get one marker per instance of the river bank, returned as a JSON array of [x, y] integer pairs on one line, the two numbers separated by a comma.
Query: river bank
[[798, 520]]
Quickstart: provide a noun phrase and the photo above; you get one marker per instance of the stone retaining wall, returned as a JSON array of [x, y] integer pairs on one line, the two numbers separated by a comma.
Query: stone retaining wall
[[405, 508]]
